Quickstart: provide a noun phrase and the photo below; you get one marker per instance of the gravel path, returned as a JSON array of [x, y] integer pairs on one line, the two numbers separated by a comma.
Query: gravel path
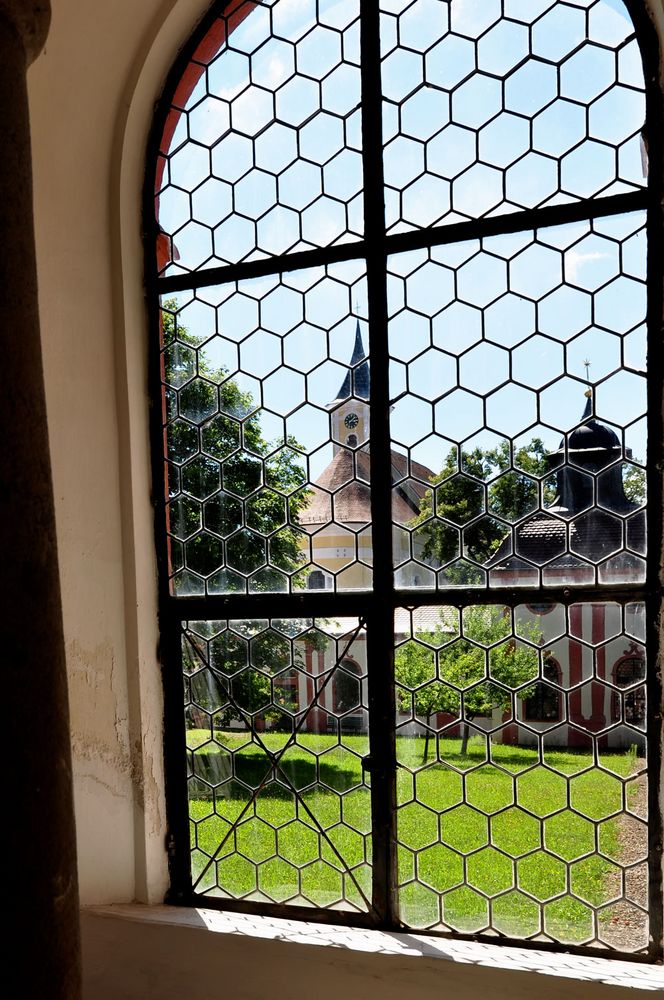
[[624, 926]]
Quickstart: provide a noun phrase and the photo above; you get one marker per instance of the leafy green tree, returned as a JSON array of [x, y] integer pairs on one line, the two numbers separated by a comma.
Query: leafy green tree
[[634, 481], [225, 475], [482, 498], [477, 672], [234, 678], [235, 499]]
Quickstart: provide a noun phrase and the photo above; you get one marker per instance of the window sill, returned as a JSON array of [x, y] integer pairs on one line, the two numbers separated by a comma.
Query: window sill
[[122, 942]]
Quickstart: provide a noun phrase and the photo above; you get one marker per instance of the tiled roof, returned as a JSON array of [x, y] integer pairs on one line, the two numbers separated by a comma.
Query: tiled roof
[[342, 494], [401, 468], [594, 536]]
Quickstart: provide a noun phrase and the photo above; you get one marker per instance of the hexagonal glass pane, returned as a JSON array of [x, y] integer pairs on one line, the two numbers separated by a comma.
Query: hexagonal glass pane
[[277, 729], [519, 108], [514, 413], [552, 824], [253, 108], [245, 376], [516, 459]]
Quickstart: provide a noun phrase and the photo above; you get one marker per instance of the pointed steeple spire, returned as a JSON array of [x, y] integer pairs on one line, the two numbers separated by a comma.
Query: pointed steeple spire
[[357, 381]]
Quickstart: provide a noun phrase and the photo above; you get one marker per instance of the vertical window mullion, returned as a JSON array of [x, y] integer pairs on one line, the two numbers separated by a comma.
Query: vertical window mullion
[[655, 437], [380, 625], [178, 837]]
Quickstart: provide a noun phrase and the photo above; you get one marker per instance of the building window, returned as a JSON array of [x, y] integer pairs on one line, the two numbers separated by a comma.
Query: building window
[[399, 259], [630, 705], [543, 705], [317, 580]]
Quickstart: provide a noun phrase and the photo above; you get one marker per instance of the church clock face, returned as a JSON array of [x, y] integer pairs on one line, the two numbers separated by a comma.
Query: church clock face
[[351, 420]]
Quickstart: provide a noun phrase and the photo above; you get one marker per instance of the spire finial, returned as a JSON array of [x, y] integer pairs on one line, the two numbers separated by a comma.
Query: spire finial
[[589, 392]]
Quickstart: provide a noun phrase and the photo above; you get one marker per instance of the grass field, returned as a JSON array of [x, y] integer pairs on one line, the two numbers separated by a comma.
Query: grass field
[[507, 841]]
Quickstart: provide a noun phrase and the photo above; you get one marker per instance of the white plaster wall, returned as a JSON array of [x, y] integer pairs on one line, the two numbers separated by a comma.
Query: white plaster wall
[[92, 93], [91, 96]]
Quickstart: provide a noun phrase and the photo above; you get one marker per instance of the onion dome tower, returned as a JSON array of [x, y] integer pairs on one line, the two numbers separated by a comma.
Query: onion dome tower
[[590, 523], [589, 468]]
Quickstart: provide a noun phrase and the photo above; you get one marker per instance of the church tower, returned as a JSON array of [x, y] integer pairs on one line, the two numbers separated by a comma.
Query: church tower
[[350, 408]]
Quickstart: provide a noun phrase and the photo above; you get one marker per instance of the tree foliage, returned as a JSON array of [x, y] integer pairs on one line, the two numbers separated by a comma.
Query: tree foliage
[[252, 490], [482, 497], [466, 514], [251, 680], [469, 675], [634, 481]]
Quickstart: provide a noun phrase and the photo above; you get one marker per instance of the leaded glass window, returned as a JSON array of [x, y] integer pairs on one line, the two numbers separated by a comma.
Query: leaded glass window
[[403, 265]]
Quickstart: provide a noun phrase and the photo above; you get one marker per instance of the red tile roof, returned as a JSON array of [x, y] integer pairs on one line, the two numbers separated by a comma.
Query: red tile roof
[[342, 493]]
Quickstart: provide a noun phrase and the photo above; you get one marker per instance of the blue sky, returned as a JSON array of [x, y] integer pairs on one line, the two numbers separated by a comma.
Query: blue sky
[[276, 165]]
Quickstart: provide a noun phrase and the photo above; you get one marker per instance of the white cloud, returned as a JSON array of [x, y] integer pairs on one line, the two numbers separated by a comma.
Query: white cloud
[[574, 261]]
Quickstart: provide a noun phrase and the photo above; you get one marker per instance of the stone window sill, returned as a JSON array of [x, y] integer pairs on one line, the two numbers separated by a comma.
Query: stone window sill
[[408, 956]]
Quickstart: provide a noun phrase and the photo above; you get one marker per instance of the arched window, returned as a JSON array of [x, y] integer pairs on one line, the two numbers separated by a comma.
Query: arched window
[[316, 580], [543, 705], [429, 220], [630, 707]]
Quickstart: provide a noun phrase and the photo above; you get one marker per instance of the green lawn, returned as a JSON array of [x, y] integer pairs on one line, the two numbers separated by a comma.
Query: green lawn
[[508, 840]]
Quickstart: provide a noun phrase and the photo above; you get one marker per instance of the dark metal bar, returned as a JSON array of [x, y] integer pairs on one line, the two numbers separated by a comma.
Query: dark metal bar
[[655, 467], [169, 652], [516, 222], [514, 596], [307, 604], [284, 911], [537, 218], [312, 604], [224, 274], [175, 761], [380, 625]]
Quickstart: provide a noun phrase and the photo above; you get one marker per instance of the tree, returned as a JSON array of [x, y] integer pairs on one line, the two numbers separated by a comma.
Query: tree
[[468, 510], [235, 497], [477, 502], [634, 481], [467, 676], [234, 505], [248, 673]]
